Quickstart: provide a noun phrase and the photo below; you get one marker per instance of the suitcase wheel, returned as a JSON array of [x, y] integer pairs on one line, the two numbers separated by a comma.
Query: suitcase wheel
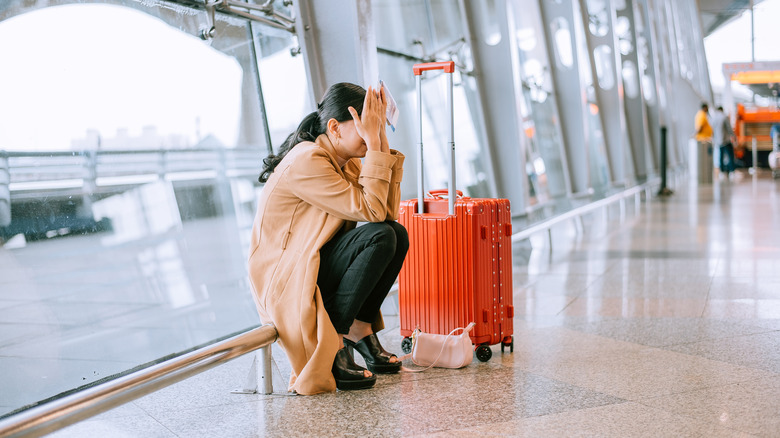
[[484, 353], [510, 344], [406, 345]]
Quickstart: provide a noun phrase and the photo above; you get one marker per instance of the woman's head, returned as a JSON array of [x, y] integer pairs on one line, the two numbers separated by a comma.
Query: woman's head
[[334, 105], [336, 101]]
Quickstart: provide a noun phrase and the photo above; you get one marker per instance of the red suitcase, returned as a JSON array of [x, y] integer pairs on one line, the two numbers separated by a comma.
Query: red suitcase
[[459, 265]]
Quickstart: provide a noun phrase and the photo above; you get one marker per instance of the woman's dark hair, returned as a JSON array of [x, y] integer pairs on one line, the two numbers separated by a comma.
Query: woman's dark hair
[[334, 105]]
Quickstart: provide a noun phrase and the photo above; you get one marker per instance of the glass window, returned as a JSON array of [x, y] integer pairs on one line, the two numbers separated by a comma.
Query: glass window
[[111, 92], [598, 17], [605, 66], [643, 56], [648, 89], [630, 79], [491, 33], [597, 154], [544, 153], [680, 27], [130, 162], [526, 39], [563, 48], [279, 63], [623, 32], [424, 31]]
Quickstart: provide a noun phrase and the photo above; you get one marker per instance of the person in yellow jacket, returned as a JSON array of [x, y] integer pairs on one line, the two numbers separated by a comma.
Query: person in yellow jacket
[[315, 275], [702, 123]]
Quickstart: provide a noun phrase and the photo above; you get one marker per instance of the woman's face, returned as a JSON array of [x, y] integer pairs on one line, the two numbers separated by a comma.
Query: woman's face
[[349, 143]]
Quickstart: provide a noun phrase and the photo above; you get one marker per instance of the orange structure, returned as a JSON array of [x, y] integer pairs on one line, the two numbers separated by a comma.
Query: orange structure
[[755, 122]]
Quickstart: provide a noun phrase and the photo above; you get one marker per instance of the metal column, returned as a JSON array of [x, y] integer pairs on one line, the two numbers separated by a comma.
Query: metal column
[[334, 27]]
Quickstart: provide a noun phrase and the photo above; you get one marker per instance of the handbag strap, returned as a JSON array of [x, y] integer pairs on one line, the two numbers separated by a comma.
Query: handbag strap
[[443, 344]]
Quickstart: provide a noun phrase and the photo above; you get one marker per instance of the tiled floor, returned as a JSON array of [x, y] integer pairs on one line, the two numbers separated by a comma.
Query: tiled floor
[[662, 322]]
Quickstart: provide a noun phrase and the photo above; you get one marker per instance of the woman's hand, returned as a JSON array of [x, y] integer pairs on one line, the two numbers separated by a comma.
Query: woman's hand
[[370, 124]]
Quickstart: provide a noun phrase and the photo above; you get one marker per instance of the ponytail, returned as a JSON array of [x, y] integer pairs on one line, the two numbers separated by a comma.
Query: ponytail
[[308, 130], [338, 98]]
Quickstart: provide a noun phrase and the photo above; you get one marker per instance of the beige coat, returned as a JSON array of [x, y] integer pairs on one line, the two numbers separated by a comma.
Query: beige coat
[[307, 199]]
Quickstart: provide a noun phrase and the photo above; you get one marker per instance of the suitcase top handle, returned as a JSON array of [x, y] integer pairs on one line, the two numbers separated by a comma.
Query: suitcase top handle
[[437, 194], [447, 66]]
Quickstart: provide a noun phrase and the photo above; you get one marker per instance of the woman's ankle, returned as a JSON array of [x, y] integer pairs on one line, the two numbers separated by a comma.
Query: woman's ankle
[[358, 330]]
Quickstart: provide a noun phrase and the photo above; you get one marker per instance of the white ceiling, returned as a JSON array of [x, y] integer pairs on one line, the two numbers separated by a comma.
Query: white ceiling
[[715, 13]]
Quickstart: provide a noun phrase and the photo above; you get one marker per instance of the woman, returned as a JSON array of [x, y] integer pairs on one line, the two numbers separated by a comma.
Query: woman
[[315, 275]]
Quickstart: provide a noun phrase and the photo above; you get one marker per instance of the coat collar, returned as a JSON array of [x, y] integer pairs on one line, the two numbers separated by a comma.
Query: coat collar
[[351, 169]]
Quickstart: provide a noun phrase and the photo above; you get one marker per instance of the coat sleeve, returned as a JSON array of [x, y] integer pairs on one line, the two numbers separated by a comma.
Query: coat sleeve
[[314, 180], [394, 194]]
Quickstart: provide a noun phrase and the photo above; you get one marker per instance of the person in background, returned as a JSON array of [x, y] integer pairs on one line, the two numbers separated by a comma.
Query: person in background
[[723, 137], [774, 133], [774, 156], [703, 137], [702, 122], [315, 275]]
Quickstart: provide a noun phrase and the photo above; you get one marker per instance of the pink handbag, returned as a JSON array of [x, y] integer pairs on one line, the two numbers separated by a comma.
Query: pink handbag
[[445, 351]]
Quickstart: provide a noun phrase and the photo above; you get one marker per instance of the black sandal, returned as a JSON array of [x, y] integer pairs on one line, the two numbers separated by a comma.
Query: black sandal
[[377, 359], [348, 374]]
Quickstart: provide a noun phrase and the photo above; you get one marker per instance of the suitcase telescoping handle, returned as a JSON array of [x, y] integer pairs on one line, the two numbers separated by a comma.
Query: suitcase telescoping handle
[[448, 67]]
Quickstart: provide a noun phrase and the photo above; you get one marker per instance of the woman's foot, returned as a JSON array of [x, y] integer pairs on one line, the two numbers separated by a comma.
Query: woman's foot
[[377, 359], [348, 374]]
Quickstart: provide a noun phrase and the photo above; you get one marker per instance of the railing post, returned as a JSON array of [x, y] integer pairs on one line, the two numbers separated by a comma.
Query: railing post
[[260, 379], [622, 204], [89, 184], [266, 371], [754, 169], [163, 164], [5, 190], [774, 158], [222, 164], [663, 191]]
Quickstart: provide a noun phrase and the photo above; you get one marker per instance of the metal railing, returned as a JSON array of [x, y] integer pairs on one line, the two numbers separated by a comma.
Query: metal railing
[[40, 420], [30, 173], [577, 212], [5, 193], [62, 175]]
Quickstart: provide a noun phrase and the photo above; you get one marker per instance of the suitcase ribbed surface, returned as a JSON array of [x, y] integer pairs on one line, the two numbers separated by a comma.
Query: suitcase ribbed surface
[[458, 269]]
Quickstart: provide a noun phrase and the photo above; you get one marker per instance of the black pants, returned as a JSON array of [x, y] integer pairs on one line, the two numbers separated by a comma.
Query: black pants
[[357, 270]]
